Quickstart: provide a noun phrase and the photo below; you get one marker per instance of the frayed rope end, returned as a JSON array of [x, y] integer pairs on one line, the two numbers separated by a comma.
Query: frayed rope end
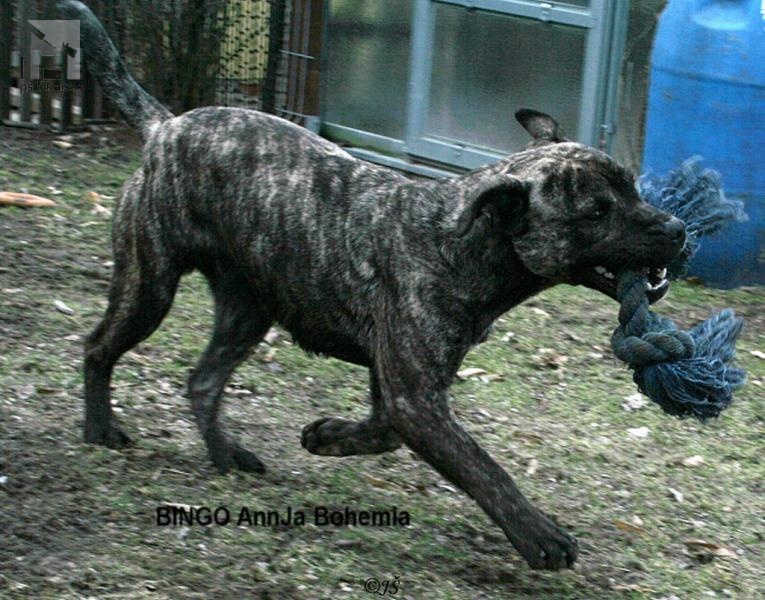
[[702, 384]]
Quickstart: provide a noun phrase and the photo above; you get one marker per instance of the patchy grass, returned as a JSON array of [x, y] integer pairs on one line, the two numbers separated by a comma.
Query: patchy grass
[[79, 521]]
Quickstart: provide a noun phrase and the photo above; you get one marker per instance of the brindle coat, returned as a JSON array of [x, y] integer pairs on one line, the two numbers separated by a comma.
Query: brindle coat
[[358, 262]]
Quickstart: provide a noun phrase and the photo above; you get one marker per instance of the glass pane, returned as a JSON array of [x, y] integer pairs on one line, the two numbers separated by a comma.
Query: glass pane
[[486, 66], [368, 65]]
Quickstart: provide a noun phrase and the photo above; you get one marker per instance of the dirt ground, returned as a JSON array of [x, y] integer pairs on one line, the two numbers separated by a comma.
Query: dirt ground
[[662, 508]]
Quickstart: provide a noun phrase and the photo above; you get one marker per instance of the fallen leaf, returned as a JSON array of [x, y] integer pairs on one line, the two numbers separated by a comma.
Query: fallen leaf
[[634, 402], [634, 587], [100, 210], [25, 200], [271, 337], [528, 438], [551, 358], [639, 432], [186, 507], [62, 308], [574, 337], [377, 482], [493, 377], [471, 372], [62, 144], [709, 548], [758, 354], [92, 196], [677, 494], [693, 461], [532, 468], [628, 527]]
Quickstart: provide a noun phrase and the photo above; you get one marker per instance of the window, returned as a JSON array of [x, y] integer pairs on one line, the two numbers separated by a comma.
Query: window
[[438, 81]]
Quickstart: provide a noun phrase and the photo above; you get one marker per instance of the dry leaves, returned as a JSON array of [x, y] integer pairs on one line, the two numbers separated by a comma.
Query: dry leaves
[[63, 308], [471, 372], [691, 461], [482, 374], [701, 549], [639, 432], [550, 358], [379, 483], [634, 402], [272, 336], [676, 494], [98, 209], [629, 527], [25, 200]]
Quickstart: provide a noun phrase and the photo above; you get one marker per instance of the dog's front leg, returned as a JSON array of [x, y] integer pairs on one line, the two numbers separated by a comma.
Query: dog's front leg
[[422, 417]]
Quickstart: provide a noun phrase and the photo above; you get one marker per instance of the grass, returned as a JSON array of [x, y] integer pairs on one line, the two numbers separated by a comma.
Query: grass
[[79, 521]]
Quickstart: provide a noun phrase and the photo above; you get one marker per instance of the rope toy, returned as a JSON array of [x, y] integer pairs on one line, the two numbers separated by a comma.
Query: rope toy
[[686, 373]]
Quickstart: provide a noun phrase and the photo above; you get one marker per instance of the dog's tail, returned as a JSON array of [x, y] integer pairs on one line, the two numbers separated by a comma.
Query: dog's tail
[[139, 108]]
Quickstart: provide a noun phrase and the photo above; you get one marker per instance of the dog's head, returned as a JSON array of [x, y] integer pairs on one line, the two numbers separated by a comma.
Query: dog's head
[[573, 213]]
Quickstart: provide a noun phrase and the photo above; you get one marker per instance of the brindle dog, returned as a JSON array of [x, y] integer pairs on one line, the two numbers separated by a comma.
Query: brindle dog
[[360, 263]]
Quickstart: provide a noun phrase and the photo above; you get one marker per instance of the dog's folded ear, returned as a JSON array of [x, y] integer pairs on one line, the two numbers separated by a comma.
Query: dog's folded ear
[[541, 126], [504, 203]]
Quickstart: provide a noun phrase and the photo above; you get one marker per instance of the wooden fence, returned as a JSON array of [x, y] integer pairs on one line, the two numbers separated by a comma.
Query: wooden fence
[[52, 100], [269, 60]]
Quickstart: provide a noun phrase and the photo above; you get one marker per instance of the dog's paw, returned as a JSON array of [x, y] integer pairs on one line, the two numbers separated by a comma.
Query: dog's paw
[[316, 442], [546, 546], [226, 455], [332, 436], [108, 435], [322, 436], [247, 461]]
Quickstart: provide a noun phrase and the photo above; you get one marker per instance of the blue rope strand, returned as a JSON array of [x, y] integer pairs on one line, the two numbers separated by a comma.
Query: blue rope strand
[[686, 373]]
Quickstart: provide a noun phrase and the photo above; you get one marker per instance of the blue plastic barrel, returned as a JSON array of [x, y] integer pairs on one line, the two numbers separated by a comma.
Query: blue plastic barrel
[[707, 98]]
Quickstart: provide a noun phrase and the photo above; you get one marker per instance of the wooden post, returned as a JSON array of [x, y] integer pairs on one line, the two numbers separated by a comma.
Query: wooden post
[[66, 95], [24, 13], [312, 85], [275, 43], [6, 33], [46, 97]]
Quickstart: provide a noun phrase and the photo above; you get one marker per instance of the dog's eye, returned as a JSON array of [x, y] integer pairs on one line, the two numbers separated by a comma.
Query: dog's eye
[[598, 213]]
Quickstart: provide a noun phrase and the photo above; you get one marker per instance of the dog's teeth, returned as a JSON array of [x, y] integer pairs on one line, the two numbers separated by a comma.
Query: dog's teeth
[[653, 288], [663, 273], [609, 275], [600, 270]]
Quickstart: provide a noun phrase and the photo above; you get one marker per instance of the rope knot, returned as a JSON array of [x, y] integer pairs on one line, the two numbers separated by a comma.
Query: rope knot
[[687, 373]]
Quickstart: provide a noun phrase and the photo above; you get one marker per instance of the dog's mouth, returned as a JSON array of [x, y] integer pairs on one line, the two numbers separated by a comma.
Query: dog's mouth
[[603, 280]]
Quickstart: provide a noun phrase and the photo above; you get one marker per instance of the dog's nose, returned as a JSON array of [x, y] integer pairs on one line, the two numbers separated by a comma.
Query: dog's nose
[[675, 229]]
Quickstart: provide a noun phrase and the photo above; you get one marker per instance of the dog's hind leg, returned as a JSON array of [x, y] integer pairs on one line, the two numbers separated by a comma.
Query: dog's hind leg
[[240, 323], [332, 436], [142, 290]]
